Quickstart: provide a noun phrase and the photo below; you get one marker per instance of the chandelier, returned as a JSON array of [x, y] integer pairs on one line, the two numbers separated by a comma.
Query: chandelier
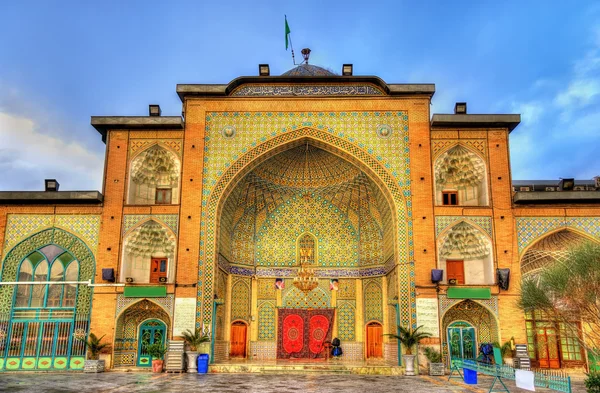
[[305, 279]]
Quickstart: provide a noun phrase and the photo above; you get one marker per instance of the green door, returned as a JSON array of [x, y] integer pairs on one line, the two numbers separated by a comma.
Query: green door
[[151, 332], [461, 341]]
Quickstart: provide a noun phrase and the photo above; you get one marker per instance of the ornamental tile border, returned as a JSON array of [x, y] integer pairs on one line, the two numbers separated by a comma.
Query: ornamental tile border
[[132, 220], [166, 302], [20, 226], [307, 90], [443, 222], [445, 304], [285, 272], [531, 229]]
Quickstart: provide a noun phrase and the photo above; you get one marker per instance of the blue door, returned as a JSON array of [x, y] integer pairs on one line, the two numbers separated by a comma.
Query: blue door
[[461, 341], [151, 332]]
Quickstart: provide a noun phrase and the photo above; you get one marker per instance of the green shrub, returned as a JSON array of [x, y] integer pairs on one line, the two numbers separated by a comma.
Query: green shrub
[[592, 382], [432, 355]]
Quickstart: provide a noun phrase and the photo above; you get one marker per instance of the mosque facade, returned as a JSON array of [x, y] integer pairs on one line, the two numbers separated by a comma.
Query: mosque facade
[[280, 212]]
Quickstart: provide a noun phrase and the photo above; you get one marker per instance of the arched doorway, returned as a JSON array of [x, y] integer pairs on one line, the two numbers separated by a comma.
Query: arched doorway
[[139, 324], [374, 340], [223, 183], [462, 343], [151, 332], [466, 325], [239, 335]]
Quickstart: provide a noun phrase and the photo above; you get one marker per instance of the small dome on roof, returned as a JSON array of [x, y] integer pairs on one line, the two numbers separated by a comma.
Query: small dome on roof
[[308, 70]]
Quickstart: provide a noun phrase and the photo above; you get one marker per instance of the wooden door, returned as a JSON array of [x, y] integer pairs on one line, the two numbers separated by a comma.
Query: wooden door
[[158, 269], [547, 346], [374, 340], [238, 340], [456, 269]]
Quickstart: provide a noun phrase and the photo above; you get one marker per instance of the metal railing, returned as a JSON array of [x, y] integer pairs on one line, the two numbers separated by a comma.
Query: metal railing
[[550, 379]]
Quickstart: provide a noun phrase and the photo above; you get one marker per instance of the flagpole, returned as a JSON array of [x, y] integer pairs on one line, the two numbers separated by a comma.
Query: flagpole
[[292, 46], [289, 35]]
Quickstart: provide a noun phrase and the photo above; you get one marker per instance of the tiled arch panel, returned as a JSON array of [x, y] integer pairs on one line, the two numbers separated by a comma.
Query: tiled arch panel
[[346, 146]]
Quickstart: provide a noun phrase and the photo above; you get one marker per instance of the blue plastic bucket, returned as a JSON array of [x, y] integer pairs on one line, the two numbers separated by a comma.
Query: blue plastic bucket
[[202, 363], [470, 376]]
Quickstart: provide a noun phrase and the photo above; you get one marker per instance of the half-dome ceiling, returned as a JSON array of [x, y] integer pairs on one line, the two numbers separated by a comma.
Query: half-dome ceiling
[[551, 249], [312, 184], [306, 166], [308, 70]]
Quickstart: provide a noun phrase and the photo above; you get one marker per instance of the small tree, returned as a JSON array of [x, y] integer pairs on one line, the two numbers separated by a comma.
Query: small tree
[[409, 338], [195, 338], [94, 345], [569, 291], [156, 350]]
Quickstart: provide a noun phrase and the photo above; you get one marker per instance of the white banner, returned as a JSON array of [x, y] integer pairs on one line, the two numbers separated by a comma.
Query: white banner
[[185, 315], [525, 380]]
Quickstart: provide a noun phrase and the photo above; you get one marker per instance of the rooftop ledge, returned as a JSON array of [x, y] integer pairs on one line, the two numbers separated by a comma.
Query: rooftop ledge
[[50, 197], [476, 121], [104, 123], [221, 90], [549, 197]]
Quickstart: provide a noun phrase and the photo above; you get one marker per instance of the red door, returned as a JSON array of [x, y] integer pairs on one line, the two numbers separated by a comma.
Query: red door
[[456, 269], [158, 269], [374, 340], [547, 346], [238, 340]]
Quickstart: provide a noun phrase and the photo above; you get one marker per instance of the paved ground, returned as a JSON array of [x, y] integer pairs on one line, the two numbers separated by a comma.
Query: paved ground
[[117, 382]]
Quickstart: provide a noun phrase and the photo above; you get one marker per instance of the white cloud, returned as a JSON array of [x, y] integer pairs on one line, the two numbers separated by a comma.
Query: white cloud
[[28, 156], [580, 92], [531, 112]]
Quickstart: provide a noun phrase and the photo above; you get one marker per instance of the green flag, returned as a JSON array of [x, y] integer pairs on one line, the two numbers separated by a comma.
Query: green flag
[[287, 33]]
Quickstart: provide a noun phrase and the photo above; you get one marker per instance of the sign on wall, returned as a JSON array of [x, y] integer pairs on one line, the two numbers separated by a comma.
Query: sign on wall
[[427, 315], [185, 315]]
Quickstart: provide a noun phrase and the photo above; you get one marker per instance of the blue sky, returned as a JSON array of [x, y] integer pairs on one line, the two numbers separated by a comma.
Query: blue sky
[[64, 61]]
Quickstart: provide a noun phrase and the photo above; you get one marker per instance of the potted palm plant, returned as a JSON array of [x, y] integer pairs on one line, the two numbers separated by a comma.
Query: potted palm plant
[[436, 366], [157, 351], [194, 339], [409, 338], [508, 353], [94, 345]]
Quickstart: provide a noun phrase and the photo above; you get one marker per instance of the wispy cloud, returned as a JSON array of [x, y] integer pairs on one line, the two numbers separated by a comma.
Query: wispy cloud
[[560, 120], [28, 156]]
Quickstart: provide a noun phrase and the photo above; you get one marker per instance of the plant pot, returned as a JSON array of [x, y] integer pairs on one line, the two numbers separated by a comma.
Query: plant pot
[[409, 364], [157, 365], [436, 369], [191, 361], [94, 366], [508, 361]]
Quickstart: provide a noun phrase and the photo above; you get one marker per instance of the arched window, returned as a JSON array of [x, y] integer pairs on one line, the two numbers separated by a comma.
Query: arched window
[[465, 255], [460, 178], [149, 254], [306, 250], [154, 177], [42, 267]]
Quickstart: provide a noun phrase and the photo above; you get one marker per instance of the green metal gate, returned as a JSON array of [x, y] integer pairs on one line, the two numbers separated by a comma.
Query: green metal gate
[[461, 341], [47, 323], [151, 332]]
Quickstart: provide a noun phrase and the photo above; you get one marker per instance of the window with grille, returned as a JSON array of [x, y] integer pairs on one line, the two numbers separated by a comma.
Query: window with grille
[[450, 198], [163, 196]]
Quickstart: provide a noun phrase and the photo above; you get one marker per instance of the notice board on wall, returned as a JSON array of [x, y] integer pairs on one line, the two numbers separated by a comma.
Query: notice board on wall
[[427, 315], [185, 315]]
